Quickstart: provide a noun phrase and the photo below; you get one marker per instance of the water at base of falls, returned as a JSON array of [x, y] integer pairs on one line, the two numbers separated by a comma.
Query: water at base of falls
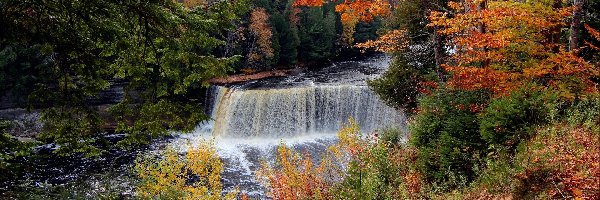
[[304, 111]]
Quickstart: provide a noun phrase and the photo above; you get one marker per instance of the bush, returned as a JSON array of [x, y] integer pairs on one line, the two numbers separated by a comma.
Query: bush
[[586, 112], [398, 86], [296, 177], [509, 120], [561, 161], [169, 176], [10, 149], [446, 134]]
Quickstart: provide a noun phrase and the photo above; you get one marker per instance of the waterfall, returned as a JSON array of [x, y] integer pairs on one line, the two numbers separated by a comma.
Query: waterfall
[[296, 111]]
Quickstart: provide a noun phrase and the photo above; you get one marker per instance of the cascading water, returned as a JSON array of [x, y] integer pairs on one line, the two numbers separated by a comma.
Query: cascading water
[[304, 111], [290, 112]]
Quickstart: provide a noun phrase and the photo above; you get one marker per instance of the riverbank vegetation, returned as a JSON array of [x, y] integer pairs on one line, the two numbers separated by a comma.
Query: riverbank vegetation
[[85, 71], [503, 96]]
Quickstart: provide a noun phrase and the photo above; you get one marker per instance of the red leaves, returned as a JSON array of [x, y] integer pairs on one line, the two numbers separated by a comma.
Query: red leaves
[[508, 44], [572, 156]]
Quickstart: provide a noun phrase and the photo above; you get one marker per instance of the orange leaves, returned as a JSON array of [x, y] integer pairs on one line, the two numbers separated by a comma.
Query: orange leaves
[[352, 12], [509, 43], [571, 155], [595, 34], [473, 78], [309, 3], [392, 41], [296, 178], [260, 28], [362, 10]]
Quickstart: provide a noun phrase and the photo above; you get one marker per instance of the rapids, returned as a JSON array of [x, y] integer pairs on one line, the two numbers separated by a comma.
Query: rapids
[[303, 110]]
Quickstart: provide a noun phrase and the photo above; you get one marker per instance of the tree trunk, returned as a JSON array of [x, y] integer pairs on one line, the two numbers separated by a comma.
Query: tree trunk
[[438, 46], [438, 53], [481, 28], [575, 26]]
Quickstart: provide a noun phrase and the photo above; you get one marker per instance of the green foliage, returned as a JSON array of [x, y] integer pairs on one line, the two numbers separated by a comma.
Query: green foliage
[[103, 187], [10, 148], [317, 34], [368, 175], [586, 111], [148, 121], [74, 129], [509, 120], [398, 86], [446, 134], [287, 40], [392, 136], [64, 52], [21, 68]]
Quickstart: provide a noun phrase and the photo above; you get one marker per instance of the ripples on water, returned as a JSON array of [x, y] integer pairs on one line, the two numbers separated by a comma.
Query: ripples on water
[[303, 110]]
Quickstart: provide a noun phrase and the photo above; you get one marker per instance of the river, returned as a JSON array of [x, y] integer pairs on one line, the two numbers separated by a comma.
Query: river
[[303, 110]]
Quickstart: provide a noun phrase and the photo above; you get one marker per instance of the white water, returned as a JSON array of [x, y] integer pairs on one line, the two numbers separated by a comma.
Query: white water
[[248, 124], [292, 112]]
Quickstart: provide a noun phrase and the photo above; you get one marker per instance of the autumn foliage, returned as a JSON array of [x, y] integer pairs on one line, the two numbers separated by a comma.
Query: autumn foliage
[[506, 44], [167, 177], [563, 162], [392, 41], [261, 29], [296, 177], [353, 11]]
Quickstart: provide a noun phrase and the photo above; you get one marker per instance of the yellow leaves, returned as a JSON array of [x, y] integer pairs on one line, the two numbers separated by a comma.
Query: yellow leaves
[[166, 176], [392, 41], [350, 138], [352, 12]]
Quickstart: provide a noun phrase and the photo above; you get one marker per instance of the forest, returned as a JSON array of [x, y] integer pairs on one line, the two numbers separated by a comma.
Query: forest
[[501, 98]]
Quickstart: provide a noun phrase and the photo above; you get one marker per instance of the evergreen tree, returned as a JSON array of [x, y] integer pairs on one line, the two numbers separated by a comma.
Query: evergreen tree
[[317, 34]]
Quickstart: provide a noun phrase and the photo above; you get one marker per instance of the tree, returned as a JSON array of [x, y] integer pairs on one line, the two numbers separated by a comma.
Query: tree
[[161, 48], [288, 38], [509, 43], [352, 12], [261, 30], [317, 34]]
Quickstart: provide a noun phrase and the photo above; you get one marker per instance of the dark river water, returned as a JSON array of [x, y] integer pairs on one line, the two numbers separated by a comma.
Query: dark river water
[[303, 110]]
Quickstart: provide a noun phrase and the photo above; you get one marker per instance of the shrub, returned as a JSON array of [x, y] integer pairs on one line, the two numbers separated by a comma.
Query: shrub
[[509, 120], [378, 168], [586, 112], [561, 161], [446, 135], [296, 177], [170, 176], [398, 86], [10, 149]]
